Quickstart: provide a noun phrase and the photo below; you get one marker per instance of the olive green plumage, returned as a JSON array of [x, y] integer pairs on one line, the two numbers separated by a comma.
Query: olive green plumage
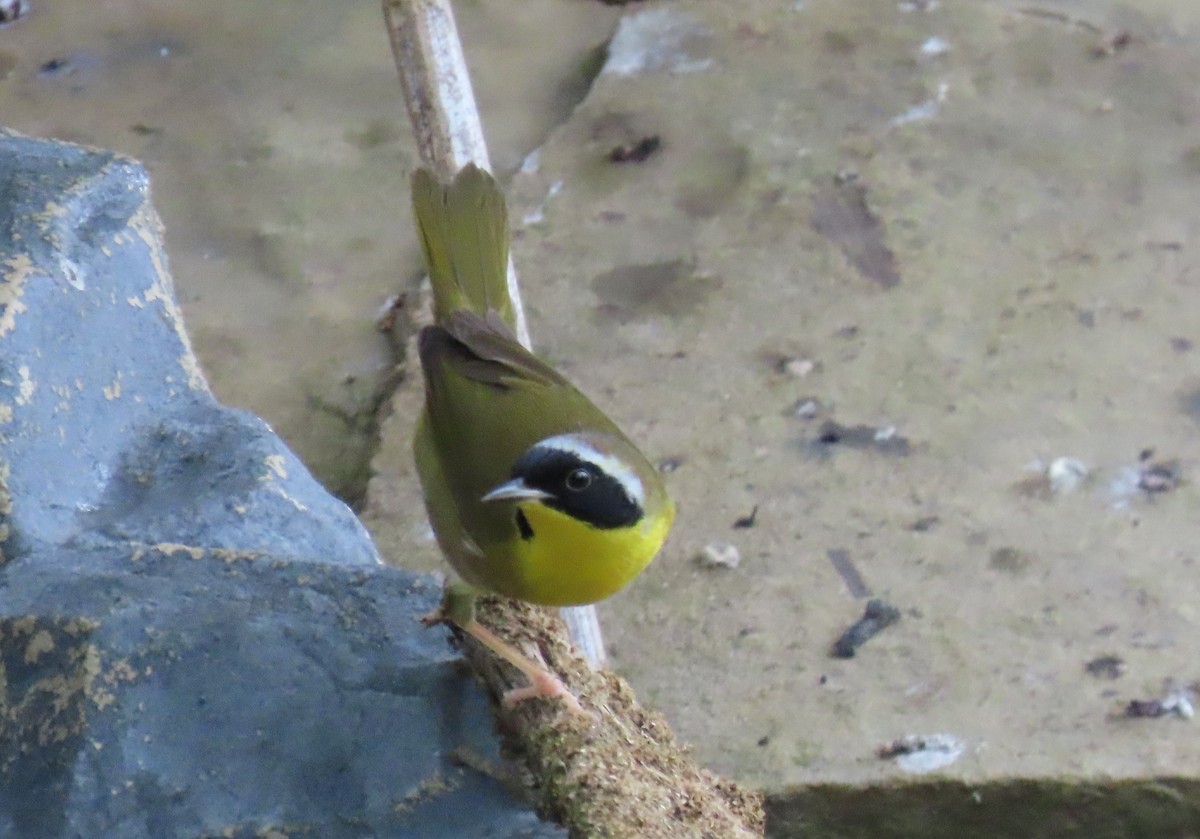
[[463, 230]]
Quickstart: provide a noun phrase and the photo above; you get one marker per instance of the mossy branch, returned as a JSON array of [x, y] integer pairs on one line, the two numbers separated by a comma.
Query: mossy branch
[[621, 773]]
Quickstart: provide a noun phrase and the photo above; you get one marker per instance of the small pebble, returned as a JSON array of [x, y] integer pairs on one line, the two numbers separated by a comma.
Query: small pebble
[[719, 555], [1066, 474], [797, 368], [807, 408], [934, 47]]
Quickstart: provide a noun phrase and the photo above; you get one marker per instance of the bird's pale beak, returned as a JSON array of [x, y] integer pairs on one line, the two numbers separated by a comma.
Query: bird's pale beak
[[515, 490]]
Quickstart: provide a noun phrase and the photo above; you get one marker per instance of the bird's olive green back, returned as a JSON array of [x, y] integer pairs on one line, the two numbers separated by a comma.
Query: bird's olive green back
[[463, 228], [487, 401]]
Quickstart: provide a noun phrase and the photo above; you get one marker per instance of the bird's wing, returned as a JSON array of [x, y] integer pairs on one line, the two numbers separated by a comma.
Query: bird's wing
[[482, 350], [489, 399]]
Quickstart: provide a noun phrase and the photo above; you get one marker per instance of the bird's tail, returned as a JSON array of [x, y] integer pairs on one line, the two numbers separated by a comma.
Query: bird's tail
[[463, 228]]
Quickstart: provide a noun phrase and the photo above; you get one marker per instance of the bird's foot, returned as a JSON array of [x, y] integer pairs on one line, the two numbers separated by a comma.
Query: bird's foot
[[542, 682], [457, 606], [437, 616]]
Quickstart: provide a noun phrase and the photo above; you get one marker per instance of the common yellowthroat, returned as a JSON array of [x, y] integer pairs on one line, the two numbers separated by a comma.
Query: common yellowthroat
[[532, 491]]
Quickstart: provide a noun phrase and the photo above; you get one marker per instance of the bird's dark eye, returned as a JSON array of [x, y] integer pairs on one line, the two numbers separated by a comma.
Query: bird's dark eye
[[578, 480]]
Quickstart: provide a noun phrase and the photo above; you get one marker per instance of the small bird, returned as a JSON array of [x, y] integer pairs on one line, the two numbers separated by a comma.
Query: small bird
[[532, 491]]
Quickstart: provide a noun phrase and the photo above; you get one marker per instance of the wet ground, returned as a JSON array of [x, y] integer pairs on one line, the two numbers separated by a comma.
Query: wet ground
[[892, 274]]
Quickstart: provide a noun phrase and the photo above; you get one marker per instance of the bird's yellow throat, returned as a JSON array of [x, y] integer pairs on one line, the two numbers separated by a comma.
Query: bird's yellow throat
[[567, 562]]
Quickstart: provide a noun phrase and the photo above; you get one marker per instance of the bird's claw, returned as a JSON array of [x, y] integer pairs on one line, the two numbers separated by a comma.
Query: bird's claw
[[545, 683]]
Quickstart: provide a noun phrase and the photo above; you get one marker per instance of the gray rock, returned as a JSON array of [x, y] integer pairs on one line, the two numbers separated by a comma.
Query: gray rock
[[195, 639], [110, 432], [164, 694]]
